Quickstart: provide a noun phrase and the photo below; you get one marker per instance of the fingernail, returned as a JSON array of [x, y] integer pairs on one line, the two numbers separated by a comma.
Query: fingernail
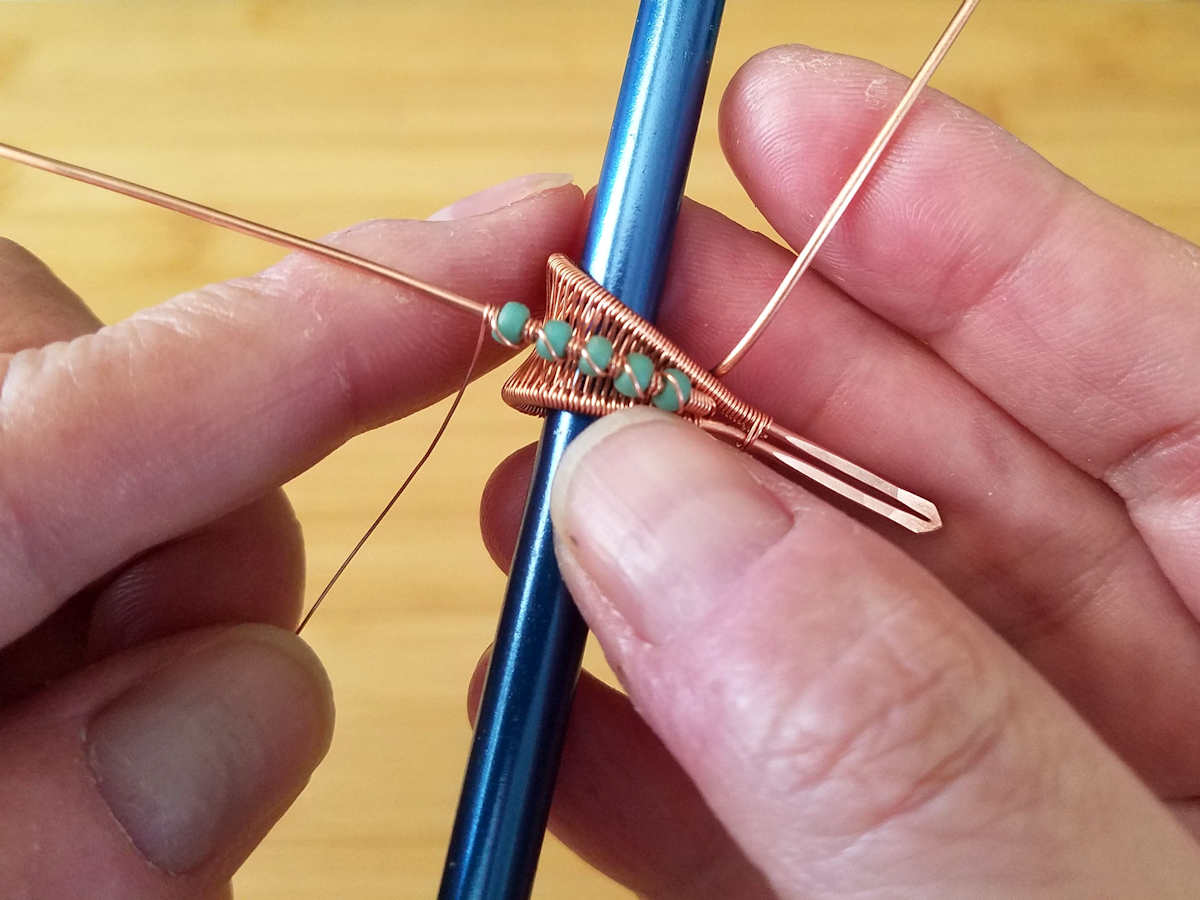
[[212, 748], [500, 195], [661, 519]]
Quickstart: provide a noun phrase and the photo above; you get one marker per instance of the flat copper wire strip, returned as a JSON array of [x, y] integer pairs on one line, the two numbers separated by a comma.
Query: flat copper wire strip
[[850, 189]]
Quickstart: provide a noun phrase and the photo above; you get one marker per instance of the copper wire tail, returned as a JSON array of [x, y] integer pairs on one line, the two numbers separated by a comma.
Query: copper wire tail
[[850, 189]]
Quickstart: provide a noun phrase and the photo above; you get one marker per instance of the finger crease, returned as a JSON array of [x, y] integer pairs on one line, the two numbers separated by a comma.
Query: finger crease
[[1167, 463], [24, 582], [994, 286]]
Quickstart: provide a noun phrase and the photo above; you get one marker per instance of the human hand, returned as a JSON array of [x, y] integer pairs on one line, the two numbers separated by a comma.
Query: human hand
[[146, 742], [820, 706]]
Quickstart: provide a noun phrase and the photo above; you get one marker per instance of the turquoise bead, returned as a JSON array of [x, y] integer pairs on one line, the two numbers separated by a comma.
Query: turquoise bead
[[510, 322], [556, 334], [600, 349], [670, 399], [643, 371]]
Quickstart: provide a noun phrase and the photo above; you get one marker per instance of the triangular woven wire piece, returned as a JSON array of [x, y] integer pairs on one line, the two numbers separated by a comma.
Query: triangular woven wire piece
[[539, 385], [573, 297]]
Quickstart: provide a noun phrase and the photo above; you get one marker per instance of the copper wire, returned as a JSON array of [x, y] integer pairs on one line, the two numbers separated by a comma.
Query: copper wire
[[540, 384], [585, 355], [462, 389], [851, 188], [671, 380], [490, 316], [535, 333], [236, 223], [838, 475]]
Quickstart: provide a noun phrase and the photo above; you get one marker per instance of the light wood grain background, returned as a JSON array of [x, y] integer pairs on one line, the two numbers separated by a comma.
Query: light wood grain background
[[315, 115]]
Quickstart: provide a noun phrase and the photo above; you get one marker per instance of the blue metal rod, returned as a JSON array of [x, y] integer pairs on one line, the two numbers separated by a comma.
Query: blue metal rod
[[530, 683]]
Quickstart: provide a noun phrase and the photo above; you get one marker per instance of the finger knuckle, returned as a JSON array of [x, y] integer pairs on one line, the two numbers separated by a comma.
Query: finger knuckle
[[11, 250], [22, 265]]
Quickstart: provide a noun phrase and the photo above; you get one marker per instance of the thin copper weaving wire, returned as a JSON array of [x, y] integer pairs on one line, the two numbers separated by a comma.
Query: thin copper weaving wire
[[412, 474]]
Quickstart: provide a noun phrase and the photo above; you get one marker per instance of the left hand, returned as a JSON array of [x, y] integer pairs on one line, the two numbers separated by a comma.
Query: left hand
[[147, 742]]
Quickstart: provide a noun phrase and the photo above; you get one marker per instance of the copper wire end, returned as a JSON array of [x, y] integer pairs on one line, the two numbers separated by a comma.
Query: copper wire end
[[844, 478], [231, 222], [850, 189]]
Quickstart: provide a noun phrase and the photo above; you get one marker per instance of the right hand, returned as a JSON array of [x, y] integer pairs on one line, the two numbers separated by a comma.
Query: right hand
[[819, 708]]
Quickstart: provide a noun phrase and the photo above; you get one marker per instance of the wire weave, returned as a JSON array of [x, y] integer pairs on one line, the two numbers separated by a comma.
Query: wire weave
[[539, 385]]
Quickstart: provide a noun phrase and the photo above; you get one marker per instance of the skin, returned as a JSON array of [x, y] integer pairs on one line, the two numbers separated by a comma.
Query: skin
[[822, 706], [816, 705], [157, 709]]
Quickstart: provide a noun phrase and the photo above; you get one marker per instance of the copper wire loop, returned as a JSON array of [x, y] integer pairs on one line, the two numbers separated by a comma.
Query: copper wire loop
[[579, 345], [535, 333], [639, 392], [491, 315], [671, 379], [539, 385], [755, 432]]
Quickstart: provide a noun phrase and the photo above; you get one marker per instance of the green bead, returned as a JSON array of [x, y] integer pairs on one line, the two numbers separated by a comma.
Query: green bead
[[668, 398], [557, 334], [510, 322], [600, 349], [643, 371]]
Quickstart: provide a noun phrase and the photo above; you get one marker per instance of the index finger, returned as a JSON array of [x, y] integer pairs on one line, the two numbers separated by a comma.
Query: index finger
[[149, 428], [1075, 316]]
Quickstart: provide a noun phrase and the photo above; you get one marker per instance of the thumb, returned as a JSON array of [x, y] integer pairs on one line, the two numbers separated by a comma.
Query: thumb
[[853, 726], [157, 771]]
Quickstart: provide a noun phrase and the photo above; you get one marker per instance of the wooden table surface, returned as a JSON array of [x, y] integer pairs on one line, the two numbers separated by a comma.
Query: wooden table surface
[[314, 115]]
